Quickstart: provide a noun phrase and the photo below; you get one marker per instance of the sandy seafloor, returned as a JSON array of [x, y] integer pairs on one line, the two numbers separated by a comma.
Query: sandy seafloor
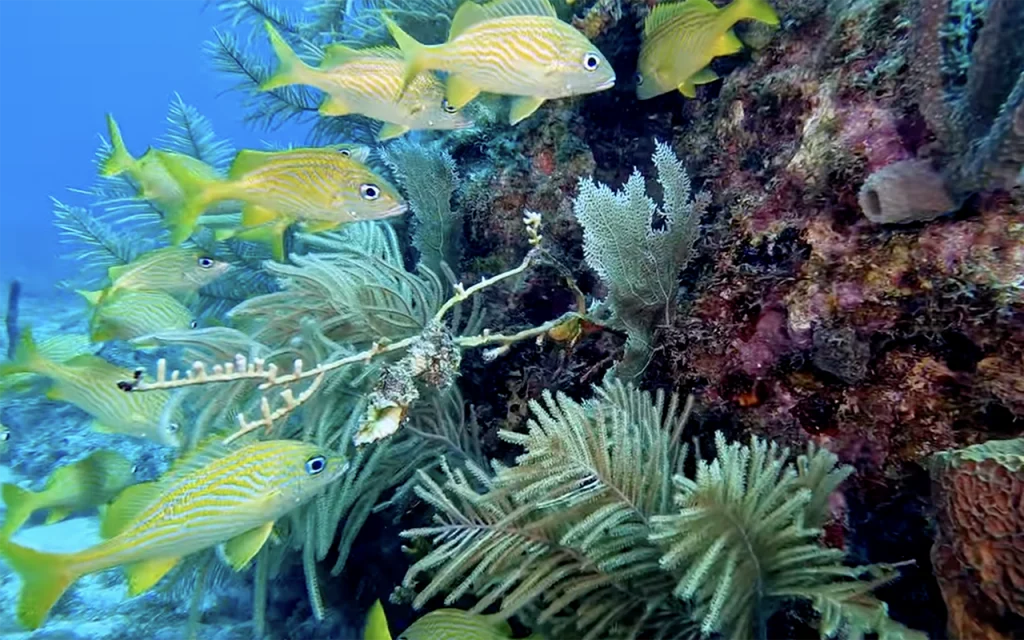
[[45, 435]]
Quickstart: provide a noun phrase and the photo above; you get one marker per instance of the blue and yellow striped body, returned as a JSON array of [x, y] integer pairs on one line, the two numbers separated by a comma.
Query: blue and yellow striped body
[[232, 500]]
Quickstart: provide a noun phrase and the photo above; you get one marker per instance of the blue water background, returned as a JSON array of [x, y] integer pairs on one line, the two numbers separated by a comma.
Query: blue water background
[[63, 65]]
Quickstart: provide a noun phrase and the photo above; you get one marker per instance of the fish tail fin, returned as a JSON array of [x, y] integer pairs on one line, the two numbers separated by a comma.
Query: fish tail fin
[[290, 68], [758, 10], [27, 358], [45, 577], [199, 193], [119, 159], [21, 504], [414, 51]]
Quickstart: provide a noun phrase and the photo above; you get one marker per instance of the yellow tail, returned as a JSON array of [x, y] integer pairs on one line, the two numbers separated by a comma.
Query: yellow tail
[[758, 10], [21, 504], [119, 160], [290, 68], [27, 358], [414, 51], [200, 192], [45, 577], [376, 624]]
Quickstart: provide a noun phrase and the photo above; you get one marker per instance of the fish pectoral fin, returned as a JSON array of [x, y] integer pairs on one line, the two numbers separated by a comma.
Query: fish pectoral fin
[[523, 107], [688, 89], [704, 76], [727, 44], [334, 106], [460, 91], [56, 514], [391, 130], [143, 575], [240, 550], [319, 226]]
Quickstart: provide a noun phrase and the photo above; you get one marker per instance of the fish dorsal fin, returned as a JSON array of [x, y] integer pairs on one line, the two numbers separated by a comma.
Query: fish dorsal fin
[[666, 12], [208, 450], [127, 507], [240, 550], [338, 54], [247, 160], [117, 271], [471, 13]]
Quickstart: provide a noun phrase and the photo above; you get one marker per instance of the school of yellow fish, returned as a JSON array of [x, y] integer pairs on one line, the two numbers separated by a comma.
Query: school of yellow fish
[[229, 497]]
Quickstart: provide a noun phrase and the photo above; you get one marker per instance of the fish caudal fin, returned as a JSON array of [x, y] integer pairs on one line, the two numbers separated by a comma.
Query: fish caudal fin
[[27, 358], [21, 504], [290, 68], [758, 10], [415, 52], [119, 159], [44, 579], [376, 624], [199, 194]]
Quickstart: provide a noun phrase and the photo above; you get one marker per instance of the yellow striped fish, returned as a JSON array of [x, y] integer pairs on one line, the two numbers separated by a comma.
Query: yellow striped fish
[[150, 172], [442, 624], [368, 82], [680, 40], [90, 482], [178, 271], [90, 383], [322, 187], [229, 500], [128, 314], [512, 47], [58, 348]]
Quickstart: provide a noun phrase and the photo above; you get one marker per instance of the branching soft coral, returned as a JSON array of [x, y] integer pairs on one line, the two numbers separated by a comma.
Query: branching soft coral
[[580, 536]]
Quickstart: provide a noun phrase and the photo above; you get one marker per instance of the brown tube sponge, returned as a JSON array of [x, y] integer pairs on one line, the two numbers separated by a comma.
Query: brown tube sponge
[[905, 191]]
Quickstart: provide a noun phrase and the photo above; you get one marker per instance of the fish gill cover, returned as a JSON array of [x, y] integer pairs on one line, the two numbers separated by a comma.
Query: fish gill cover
[[521, 337]]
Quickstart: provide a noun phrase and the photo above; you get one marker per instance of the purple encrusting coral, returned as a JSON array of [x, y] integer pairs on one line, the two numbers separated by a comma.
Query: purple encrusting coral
[[800, 318]]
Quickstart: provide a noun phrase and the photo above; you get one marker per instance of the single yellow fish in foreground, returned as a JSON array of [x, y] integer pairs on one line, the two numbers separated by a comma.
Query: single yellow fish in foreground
[[231, 500], [441, 624], [512, 47], [368, 82], [90, 482], [90, 383], [322, 187], [682, 38], [58, 348]]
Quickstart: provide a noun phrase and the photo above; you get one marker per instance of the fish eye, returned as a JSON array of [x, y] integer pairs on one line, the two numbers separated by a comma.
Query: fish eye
[[639, 78], [205, 262], [173, 427], [591, 61], [345, 152], [315, 465], [193, 324], [135, 468], [6, 435], [448, 108], [369, 191]]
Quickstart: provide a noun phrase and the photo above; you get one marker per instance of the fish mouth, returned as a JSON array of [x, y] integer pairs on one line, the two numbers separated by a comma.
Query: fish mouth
[[607, 84], [397, 210]]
